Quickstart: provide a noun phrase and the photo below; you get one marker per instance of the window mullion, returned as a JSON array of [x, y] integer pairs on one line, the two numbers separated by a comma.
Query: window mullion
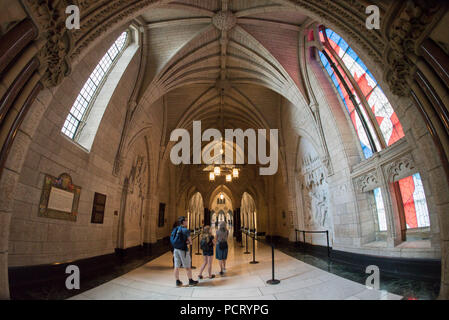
[[83, 102], [354, 102], [358, 91]]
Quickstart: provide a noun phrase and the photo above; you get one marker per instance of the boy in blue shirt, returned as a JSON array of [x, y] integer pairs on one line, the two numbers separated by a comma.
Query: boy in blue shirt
[[180, 240]]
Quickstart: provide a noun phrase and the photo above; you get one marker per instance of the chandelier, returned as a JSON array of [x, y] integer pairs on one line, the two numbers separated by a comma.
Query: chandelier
[[229, 171]]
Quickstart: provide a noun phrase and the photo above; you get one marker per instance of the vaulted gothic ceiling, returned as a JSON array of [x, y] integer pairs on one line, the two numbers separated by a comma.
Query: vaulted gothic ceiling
[[218, 59]]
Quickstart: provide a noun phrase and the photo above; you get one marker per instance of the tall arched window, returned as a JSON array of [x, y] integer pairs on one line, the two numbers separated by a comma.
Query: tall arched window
[[83, 103], [372, 115]]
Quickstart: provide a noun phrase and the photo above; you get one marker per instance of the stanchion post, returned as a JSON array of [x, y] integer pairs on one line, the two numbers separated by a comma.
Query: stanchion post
[[304, 240], [198, 249], [327, 237], [191, 259], [246, 237], [272, 280], [254, 250]]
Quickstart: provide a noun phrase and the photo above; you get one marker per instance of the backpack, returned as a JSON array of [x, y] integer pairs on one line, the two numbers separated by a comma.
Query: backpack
[[177, 238], [223, 245], [204, 245]]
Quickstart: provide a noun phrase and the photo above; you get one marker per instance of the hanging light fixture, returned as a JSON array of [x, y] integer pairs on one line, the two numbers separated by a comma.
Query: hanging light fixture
[[221, 196], [228, 178], [235, 173], [217, 171], [211, 176]]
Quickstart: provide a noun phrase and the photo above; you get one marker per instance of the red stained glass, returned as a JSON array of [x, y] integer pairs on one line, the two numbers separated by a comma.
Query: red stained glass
[[407, 187]]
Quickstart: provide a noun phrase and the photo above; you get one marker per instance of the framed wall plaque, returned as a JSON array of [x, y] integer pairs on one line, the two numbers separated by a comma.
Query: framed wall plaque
[[98, 208], [59, 198]]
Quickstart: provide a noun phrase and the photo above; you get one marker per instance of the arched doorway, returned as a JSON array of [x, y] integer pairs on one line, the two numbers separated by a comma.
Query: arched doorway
[[195, 212], [248, 212], [221, 206]]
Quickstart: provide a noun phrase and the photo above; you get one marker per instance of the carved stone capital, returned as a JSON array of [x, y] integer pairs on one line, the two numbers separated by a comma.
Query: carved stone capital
[[366, 182], [400, 168], [50, 18], [408, 27]]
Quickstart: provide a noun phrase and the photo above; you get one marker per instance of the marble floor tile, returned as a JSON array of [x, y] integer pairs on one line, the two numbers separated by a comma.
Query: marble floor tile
[[299, 280]]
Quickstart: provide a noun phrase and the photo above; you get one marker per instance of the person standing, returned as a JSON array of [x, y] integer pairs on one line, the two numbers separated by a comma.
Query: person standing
[[175, 225], [221, 252], [180, 239], [207, 245]]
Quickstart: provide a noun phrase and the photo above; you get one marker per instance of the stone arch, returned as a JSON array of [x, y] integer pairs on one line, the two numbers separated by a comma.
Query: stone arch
[[370, 46]]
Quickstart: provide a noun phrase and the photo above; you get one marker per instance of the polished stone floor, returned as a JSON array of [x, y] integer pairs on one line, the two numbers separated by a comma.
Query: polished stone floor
[[409, 289], [242, 280]]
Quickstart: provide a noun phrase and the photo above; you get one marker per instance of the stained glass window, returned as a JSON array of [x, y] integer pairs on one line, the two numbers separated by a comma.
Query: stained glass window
[[361, 133], [414, 202], [79, 109], [380, 210], [368, 93]]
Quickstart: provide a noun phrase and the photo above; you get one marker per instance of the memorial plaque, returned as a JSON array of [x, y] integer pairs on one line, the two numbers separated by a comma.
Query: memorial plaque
[[98, 208], [59, 198]]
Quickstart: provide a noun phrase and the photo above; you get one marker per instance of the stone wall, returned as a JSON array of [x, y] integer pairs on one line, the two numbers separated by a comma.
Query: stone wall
[[40, 240]]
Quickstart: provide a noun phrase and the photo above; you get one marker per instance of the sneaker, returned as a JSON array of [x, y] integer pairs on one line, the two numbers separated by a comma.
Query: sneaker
[[200, 277], [178, 283], [192, 282], [212, 276], [221, 273]]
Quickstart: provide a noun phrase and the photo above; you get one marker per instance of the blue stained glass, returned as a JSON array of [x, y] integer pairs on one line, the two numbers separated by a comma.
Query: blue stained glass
[[340, 92], [329, 69], [372, 77], [352, 54], [366, 150], [334, 37], [362, 65], [343, 45], [323, 59], [334, 79], [380, 210]]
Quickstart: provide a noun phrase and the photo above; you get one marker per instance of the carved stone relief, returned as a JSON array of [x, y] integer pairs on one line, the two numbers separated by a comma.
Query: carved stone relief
[[136, 191], [400, 168], [50, 17], [408, 27], [367, 182], [315, 192]]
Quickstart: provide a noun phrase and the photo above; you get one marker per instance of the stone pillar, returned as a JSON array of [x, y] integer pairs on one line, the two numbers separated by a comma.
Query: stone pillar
[[5, 218], [391, 210]]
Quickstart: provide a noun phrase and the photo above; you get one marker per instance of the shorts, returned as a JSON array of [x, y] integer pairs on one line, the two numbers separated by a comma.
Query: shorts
[[182, 259], [221, 254], [208, 253]]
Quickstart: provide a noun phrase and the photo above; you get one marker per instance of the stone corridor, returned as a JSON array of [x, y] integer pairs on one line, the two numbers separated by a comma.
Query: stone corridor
[[242, 280]]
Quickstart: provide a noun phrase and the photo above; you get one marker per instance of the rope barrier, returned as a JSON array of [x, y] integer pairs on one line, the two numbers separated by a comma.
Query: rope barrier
[[304, 238], [273, 280]]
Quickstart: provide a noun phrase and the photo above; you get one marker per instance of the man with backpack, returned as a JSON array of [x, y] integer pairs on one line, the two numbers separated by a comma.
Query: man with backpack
[[180, 239]]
